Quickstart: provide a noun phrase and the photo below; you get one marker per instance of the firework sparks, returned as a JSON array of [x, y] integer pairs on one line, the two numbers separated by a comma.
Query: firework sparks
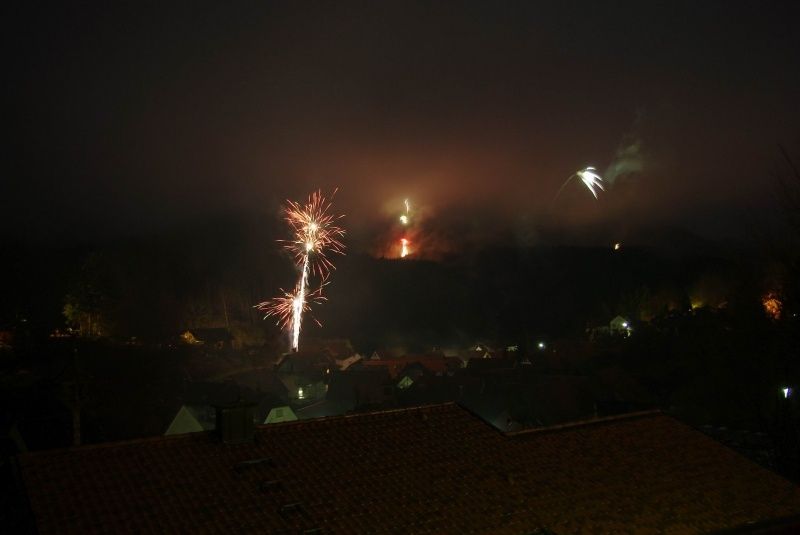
[[285, 307], [590, 179], [315, 236]]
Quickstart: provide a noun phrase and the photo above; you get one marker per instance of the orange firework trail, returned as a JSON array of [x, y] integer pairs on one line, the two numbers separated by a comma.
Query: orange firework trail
[[315, 236]]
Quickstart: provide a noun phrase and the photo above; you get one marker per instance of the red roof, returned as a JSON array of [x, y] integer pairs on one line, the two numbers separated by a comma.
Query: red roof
[[435, 469]]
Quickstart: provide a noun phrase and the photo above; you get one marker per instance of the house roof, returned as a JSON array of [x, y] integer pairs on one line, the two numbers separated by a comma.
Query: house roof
[[359, 385], [338, 348], [306, 362], [435, 469], [433, 363]]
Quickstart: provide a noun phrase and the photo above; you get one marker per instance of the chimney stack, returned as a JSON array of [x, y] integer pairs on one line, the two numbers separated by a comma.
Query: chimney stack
[[235, 422]]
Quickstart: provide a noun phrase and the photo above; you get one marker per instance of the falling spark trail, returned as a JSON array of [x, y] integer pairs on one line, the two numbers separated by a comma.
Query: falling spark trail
[[589, 177]]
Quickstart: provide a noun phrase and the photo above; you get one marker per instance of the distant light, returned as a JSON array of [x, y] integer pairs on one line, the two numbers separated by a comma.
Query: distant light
[[617, 246], [787, 391], [540, 345], [625, 324], [773, 306], [300, 394]]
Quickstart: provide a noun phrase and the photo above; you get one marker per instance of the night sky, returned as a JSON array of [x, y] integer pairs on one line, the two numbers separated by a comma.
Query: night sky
[[133, 118]]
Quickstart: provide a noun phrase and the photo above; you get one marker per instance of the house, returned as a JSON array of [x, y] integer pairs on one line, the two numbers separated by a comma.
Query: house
[[305, 375], [620, 326], [367, 386], [336, 348], [263, 380], [436, 363], [416, 389], [434, 469], [192, 418], [217, 338], [486, 364], [388, 353], [345, 363], [201, 415], [277, 415]]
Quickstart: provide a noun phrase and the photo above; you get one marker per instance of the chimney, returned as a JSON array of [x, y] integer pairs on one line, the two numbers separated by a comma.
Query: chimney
[[235, 422]]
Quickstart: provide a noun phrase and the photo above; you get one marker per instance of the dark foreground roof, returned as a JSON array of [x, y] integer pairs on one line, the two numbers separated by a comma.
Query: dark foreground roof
[[435, 469]]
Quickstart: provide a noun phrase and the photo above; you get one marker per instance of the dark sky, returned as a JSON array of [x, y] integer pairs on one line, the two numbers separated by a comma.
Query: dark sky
[[130, 118]]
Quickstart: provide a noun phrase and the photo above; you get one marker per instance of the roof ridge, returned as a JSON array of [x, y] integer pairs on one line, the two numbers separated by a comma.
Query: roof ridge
[[586, 422]]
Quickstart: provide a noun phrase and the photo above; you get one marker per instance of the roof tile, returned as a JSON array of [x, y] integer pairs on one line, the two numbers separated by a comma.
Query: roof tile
[[435, 469]]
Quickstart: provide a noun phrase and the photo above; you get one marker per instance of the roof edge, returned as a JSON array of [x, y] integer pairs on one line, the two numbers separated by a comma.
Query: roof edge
[[356, 414]]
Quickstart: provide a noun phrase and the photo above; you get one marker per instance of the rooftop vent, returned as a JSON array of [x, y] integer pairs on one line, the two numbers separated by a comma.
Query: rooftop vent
[[235, 422]]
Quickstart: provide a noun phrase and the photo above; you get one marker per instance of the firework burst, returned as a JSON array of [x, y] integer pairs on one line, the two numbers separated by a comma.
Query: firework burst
[[316, 235], [285, 307], [590, 179]]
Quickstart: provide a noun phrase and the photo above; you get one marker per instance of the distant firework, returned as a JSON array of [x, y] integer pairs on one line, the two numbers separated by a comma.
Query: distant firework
[[590, 179], [315, 235], [404, 219]]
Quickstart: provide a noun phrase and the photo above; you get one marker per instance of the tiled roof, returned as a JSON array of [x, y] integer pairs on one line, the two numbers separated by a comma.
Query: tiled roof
[[435, 469]]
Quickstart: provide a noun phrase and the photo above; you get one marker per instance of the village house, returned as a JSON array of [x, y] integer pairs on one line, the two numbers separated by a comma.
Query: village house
[[305, 375], [216, 338], [198, 412]]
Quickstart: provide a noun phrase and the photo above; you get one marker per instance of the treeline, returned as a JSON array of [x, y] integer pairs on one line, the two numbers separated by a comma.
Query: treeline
[[212, 275]]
